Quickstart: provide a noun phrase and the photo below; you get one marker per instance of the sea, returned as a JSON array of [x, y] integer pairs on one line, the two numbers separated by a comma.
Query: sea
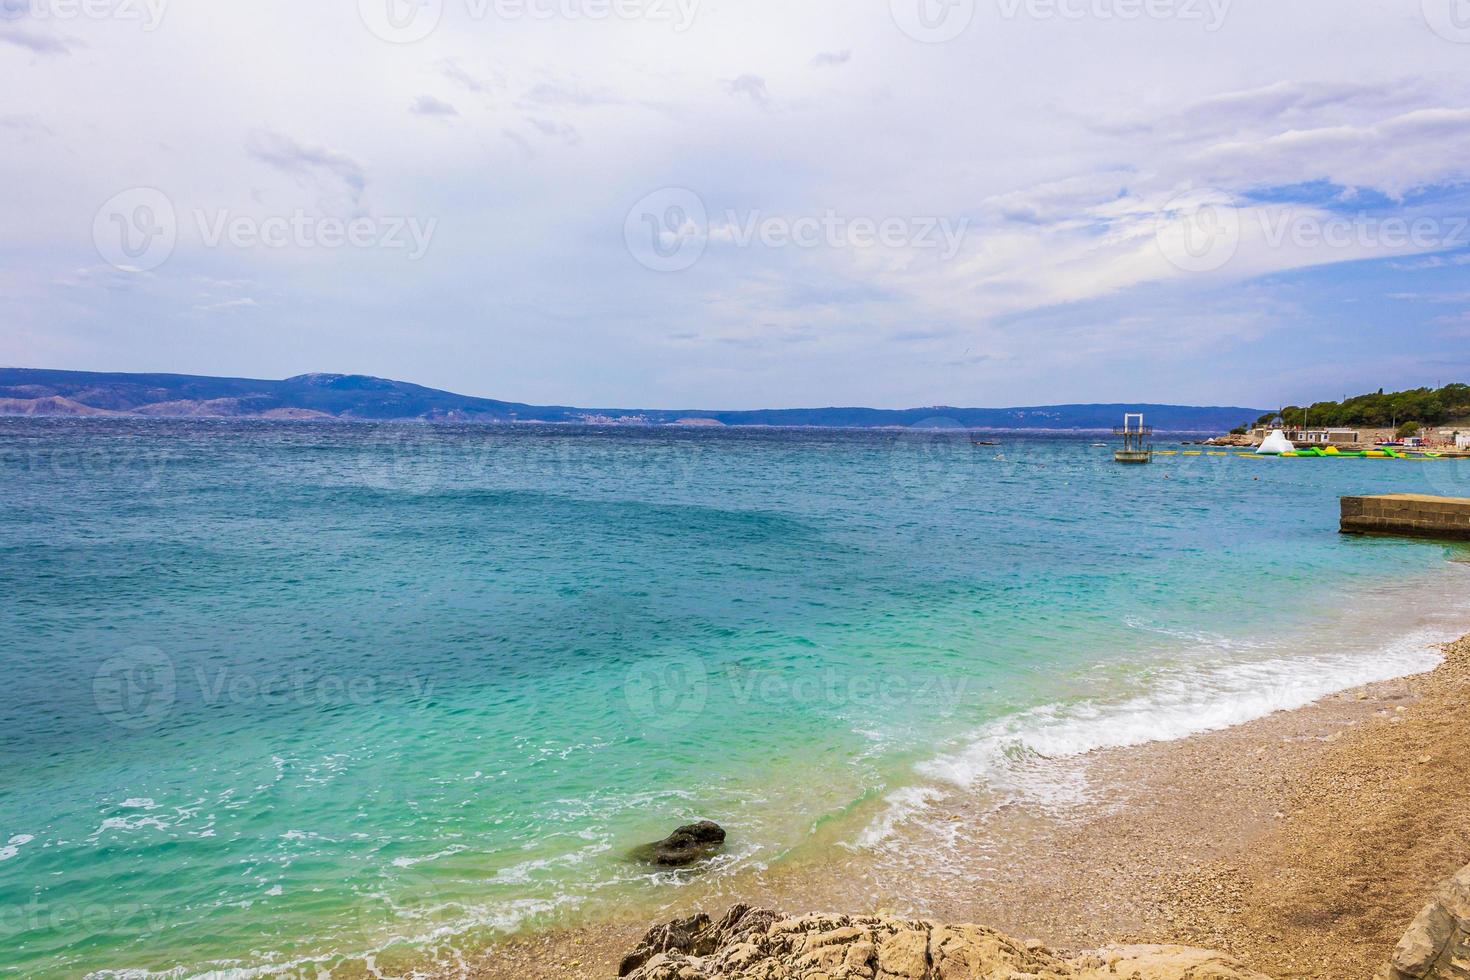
[[286, 697]]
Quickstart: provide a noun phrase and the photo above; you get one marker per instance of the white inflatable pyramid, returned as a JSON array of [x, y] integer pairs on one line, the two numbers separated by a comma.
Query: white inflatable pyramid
[[1275, 444]]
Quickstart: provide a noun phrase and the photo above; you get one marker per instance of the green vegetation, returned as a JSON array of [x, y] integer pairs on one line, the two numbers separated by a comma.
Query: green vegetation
[[1425, 406], [1408, 429]]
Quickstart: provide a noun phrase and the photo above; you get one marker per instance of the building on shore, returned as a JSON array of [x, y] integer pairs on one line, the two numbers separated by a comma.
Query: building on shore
[[1311, 437]]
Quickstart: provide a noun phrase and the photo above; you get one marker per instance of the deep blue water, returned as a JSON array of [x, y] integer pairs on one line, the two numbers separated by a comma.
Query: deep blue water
[[286, 692]]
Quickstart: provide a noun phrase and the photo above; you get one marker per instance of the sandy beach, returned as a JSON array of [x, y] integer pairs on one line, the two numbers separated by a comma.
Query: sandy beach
[[1303, 842]]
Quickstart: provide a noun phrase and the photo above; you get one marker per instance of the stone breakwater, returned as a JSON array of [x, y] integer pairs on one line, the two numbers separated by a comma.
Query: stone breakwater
[[1414, 515], [759, 944]]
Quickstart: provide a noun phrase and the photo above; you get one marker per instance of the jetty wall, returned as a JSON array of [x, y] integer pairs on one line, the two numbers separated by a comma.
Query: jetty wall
[[1409, 514]]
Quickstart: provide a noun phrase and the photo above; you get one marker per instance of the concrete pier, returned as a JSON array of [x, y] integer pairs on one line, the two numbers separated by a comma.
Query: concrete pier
[[1414, 515]]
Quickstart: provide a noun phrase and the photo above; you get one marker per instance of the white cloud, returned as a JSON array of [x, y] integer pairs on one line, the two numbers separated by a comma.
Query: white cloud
[[428, 105], [1061, 144]]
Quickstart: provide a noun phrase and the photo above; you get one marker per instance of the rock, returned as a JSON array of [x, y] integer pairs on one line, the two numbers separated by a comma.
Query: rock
[[759, 944], [1437, 945], [685, 845], [1161, 963]]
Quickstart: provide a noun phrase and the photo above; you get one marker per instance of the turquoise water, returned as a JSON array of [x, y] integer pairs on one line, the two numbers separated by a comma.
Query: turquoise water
[[280, 694]]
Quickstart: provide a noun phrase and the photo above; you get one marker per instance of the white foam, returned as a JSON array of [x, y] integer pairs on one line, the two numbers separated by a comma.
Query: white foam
[[900, 806], [408, 862], [1018, 756], [12, 847]]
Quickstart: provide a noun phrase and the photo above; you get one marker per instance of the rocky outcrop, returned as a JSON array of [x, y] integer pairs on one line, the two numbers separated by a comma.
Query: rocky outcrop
[[685, 845], [1437, 945], [1161, 963], [759, 944]]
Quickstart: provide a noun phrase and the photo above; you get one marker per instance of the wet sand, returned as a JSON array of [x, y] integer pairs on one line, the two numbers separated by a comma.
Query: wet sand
[[1303, 842]]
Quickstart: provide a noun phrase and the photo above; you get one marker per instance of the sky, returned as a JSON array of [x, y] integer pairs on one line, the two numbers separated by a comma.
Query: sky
[[745, 203]]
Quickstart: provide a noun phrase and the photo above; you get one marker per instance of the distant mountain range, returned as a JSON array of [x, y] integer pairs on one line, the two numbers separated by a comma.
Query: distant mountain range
[[28, 391]]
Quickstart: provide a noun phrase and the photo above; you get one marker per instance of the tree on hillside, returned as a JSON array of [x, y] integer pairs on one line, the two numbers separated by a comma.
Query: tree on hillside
[[1428, 406]]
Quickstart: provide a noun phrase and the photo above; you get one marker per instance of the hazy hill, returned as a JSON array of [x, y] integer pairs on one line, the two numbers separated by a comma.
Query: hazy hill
[[27, 391]]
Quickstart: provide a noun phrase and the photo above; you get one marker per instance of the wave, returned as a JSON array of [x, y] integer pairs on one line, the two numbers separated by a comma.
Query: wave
[[1030, 756]]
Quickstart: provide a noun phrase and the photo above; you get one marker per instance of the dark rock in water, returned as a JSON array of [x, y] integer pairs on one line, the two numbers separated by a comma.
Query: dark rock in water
[[685, 845]]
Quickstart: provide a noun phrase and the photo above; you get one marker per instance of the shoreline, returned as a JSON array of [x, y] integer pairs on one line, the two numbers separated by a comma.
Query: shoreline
[[1303, 842]]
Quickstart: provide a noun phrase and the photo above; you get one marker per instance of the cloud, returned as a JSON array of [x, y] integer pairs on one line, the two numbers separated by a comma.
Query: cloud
[[108, 277], [559, 130], [752, 87], [569, 93], [227, 305], [1395, 155], [1273, 108], [832, 59], [428, 105], [520, 141], [39, 43], [1064, 183], [462, 77], [1432, 262], [28, 123], [333, 175]]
